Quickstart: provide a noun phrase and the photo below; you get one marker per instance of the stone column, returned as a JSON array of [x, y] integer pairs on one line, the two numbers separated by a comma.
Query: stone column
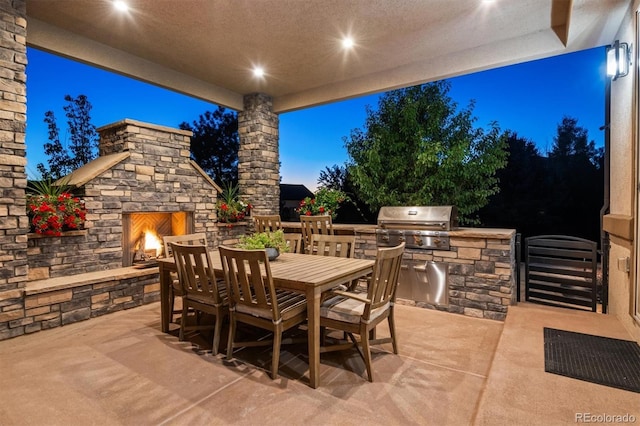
[[14, 223], [258, 156]]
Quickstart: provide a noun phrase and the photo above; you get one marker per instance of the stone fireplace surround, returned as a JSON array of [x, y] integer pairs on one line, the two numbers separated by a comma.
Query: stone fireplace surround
[[141, 169]]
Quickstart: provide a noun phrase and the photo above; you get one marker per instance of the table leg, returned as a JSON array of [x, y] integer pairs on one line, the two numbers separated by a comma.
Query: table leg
[[165, 281], [313, 324]]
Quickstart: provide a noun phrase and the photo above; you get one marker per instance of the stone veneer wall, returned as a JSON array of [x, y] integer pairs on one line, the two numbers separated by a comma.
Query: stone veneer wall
[[482, 270], [258, 156], [14, 223], [156, 177], [62, 301], [79, 275]]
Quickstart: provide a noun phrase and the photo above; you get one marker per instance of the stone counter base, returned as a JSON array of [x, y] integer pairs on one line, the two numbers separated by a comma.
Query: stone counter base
[[60, 301], [481, 270]]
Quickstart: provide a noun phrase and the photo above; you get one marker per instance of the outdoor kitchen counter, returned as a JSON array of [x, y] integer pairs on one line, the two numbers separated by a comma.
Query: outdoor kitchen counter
[[481, 267], [347, 228]]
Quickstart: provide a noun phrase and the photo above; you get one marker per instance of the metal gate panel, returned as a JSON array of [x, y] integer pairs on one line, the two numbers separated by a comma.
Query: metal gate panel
[[561, 271]]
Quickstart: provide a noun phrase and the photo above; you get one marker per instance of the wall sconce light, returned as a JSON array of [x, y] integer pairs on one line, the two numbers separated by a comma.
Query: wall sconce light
[[618, 60]]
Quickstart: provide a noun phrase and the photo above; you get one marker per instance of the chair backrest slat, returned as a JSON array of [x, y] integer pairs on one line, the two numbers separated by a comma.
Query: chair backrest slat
[[199, 238], [195, 271], [248, 276], [384, 280], [267, 223], [294, 241], [333, 245], [311, 225]]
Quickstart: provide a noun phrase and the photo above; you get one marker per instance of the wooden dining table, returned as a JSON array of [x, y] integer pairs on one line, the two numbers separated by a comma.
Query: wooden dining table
[[308, 274]]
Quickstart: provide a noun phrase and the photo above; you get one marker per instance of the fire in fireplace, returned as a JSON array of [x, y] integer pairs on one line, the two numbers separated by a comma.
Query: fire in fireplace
[[148, 247], [143, 233]]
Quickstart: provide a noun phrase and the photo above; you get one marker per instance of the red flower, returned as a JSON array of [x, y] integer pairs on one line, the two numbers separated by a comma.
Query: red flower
[[308, 213], [224, 207], [321, 209]]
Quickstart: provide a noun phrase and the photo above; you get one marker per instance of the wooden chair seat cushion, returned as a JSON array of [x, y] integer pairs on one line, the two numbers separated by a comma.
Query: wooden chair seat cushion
[[290, 305], [349, 310]]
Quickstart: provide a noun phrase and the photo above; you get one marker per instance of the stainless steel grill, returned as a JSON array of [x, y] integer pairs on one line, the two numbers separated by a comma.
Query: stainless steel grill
[[421, 228]]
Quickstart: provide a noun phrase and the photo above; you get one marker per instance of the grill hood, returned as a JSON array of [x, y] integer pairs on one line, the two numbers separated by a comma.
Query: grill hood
[[444, 218]]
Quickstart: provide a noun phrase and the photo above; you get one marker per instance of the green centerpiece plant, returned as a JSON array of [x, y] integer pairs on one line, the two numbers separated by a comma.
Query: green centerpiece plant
[[265, 240]]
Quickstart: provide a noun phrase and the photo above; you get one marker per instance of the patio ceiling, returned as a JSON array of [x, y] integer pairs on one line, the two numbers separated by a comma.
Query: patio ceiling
[[208, 48]]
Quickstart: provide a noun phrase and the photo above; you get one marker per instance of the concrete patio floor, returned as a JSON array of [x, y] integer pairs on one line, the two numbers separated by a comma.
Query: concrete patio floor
[[120, 369]]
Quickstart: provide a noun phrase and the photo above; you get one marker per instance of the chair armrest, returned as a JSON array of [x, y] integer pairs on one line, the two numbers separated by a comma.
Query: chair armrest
[[351, 295]]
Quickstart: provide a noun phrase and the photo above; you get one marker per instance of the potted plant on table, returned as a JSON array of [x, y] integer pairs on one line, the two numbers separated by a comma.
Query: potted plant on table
[[273, 242]]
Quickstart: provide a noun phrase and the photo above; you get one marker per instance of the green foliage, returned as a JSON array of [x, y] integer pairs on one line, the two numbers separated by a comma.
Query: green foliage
[[82, 143], [47, 187], [262, 240], [215, 143], [52, 208], [353, 210], [559, 194], [417, 149], [325, 201], [229, 208]]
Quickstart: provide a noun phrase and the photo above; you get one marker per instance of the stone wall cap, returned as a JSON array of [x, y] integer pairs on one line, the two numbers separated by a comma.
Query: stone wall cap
[[92, 169], [205, 176], [129, 121], [87, 278]]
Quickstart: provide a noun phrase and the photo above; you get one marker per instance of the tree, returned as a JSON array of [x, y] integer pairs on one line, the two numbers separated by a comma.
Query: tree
[[577, 190], [522, 202], [354, 210], [215, 144], [416, 149], [334, 177], [83, 139]]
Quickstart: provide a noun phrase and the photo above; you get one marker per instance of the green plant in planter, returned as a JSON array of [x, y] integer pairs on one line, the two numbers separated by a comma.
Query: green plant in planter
[[325, 201], [264, 240], [52, 208], [229, 207]]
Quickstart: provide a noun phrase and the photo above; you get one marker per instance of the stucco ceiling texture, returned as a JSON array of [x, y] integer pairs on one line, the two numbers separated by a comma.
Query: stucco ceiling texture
[[208, 48]]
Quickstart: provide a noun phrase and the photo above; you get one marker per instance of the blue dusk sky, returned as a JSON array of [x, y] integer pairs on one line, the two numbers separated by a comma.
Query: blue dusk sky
[[529, 99]]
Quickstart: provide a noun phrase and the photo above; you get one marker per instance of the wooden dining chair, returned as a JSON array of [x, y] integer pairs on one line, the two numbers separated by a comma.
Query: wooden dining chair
[[176, 289], [254, 300], [320, 224], [267, 223], [294, 241], [201, 291], [360, 313], [333, 245]]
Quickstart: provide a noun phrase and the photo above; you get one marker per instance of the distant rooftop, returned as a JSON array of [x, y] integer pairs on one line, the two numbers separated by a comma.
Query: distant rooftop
[[294, 191]]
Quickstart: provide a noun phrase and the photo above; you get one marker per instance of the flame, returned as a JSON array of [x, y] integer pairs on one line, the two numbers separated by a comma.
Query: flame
[[152, 241]]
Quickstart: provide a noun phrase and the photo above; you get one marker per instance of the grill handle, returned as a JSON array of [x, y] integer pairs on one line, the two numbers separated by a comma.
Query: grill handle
[[442, 225]]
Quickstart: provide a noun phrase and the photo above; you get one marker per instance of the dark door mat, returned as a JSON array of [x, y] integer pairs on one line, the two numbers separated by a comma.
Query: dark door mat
[[602, 360]]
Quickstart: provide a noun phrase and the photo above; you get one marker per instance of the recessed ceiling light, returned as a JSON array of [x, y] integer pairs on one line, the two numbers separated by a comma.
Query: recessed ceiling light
[[121, 5], [347, 43], [258, 72]]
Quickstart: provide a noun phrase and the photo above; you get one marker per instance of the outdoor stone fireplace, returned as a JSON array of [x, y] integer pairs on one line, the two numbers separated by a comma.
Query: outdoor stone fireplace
[[143, 179]]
